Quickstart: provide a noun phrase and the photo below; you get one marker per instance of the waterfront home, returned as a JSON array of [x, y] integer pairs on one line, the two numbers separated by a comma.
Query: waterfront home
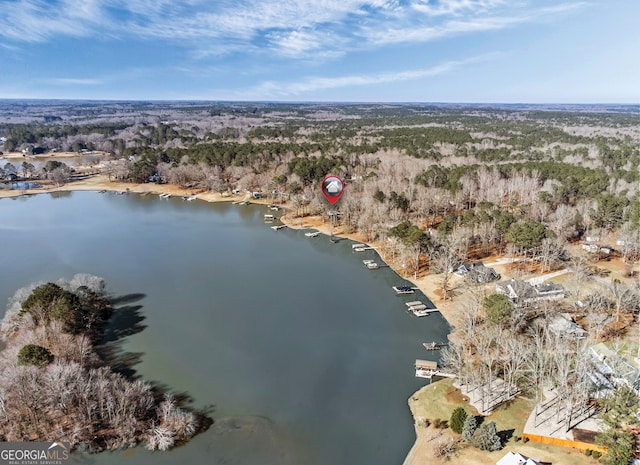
[[515, 458], [523, 292], [477, 272], [563, 324], [613, 367]]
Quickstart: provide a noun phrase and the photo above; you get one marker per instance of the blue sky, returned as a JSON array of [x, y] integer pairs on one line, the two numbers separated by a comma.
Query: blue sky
[[537, 51]]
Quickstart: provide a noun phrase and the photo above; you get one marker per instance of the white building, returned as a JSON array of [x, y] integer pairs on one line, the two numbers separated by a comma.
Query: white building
[[514, 458]]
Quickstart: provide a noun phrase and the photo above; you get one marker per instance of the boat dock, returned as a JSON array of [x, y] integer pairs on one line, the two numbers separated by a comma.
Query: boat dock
[[433, 345], [419, 309], [413, 303], [279, 227], [428, 369], [269, 217], [403, 290], [423, 311], [312, 234]]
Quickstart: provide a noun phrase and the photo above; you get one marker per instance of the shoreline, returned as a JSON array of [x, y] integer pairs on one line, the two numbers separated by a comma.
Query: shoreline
[[100, 182]]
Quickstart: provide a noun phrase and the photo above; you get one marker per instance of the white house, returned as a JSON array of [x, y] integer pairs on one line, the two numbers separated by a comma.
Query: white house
[[514, 458]]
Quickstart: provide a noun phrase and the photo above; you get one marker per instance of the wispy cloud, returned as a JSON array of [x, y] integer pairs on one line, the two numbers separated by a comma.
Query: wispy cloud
[[75, 81], [290, 29], [276, 90], [39, 20]]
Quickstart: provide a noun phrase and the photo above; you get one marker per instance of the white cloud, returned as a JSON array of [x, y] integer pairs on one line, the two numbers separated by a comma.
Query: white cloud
[[290, 29], [75, 81], [275, 90], [38, 20]]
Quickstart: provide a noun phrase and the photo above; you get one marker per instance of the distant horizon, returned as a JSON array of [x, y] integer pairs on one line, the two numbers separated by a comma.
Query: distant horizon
[[316, 102]]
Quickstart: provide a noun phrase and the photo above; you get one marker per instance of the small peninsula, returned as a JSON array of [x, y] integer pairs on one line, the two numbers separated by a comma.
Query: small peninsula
[[58, 387]]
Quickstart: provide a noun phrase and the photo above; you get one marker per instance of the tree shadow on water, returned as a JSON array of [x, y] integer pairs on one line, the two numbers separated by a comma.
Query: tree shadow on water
[[127, 299], [125, 321]]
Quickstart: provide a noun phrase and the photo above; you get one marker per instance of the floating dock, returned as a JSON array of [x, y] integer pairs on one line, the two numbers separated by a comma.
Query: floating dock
[[312, 234], [403, 290], [428, 369], [433, 345], [269, 217], [425, 368], [422, 311], [419, 309], [279, 227], [372, 266]]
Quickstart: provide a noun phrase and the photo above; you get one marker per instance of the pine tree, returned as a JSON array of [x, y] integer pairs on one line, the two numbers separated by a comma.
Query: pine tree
[[486, 437], [469, 427], [618, 417], [457, 420]]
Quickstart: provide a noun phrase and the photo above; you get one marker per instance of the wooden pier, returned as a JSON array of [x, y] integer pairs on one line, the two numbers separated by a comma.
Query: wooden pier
[[428, 369], [400, 290], [413, 303], [419, 309], [433, 345]]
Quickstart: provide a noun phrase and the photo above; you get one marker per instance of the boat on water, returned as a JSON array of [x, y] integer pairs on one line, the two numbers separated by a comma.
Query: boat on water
[[164, 196], [403, 290], [269, 217], [279, 227], [312, 234], [366, 262], [372, 266], [191, 198]]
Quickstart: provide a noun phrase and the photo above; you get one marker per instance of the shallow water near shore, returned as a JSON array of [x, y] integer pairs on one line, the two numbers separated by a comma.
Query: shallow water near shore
[[302, 355]]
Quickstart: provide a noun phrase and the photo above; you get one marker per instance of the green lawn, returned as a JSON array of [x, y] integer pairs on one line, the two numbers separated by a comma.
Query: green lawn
[[439, 399]]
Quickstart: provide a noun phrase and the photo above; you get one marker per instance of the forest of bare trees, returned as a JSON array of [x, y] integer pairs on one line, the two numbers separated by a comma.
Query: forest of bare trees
[[56, 386], [436, 186]]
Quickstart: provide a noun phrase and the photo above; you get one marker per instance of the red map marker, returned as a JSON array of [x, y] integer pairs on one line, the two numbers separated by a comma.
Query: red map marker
[[332, 189]]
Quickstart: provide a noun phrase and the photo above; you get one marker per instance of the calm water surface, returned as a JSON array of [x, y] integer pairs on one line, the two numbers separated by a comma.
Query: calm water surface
[[304, 355]]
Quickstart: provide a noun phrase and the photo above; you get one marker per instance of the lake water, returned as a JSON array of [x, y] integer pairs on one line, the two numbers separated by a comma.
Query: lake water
[[303, 355]]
